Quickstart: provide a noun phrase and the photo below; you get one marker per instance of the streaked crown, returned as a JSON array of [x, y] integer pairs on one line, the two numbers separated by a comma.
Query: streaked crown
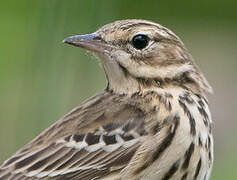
[[137, 54]]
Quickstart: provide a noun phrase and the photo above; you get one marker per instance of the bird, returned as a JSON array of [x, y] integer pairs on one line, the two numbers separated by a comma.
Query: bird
[[151, 122]]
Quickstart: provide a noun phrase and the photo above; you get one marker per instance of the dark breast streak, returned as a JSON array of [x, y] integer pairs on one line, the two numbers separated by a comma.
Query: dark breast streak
[[172, 130], [182, 164]]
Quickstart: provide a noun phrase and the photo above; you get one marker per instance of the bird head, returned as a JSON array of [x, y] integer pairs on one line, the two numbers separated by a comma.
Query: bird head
[[138, 55]]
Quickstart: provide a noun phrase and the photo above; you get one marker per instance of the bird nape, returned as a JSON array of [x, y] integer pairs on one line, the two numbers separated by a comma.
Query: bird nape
[[151, 122]]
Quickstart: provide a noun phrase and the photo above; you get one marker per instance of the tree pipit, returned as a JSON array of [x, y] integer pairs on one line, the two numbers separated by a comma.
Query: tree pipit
[[152, 122]]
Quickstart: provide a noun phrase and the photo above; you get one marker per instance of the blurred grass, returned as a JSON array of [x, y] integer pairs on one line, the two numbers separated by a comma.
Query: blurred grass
[[41, 79]]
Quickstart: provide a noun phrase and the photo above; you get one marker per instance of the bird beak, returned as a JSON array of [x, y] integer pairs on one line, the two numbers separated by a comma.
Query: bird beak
[[92, 42]]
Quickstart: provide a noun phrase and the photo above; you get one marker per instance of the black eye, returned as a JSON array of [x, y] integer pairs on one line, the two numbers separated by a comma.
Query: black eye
[[140, 41]]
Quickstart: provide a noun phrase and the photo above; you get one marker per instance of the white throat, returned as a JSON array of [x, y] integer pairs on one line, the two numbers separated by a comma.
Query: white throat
[[118, 81]]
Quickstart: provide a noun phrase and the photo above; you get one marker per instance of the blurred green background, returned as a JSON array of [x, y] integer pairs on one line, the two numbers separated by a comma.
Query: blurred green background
[[41, 79]]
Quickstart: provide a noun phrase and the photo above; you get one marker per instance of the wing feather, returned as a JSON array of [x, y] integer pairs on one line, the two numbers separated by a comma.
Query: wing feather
[[91, 141]]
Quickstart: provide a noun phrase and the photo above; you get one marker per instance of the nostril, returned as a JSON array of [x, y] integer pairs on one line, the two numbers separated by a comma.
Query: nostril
[[97, 38]]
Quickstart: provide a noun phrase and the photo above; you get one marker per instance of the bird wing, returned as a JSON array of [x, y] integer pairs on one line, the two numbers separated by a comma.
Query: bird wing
[[95, 139]]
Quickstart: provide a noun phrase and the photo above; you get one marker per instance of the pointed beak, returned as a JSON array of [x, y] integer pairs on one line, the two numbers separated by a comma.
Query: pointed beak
[[92, 42]]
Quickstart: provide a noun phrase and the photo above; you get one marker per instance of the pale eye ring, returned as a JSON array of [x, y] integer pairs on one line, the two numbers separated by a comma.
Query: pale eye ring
[[140, 41]]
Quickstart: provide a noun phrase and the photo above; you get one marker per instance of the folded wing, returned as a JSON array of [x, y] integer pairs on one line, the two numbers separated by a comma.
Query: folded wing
[[104, 137]]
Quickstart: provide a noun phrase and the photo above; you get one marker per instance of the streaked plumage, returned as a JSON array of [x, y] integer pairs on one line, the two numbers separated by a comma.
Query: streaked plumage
[[151, 122]]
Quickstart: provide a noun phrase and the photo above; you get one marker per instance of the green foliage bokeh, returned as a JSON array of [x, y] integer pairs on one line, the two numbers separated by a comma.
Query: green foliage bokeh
[[41, 79]]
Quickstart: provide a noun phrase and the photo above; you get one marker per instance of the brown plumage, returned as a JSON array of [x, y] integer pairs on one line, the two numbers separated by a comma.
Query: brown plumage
[[151, 122]]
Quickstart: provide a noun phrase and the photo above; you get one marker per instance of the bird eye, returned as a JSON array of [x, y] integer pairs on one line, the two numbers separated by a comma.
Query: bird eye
[[140, 41]]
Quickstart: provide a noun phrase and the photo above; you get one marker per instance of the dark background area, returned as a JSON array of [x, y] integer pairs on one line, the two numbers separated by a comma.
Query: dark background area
[[41, 79]]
